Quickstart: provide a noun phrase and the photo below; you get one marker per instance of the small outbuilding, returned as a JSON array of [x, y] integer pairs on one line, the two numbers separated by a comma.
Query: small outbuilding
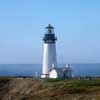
[[55, 73], [65, 72]]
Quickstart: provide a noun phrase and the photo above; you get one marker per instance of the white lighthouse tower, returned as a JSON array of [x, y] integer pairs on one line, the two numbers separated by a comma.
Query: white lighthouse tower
[[49, 55]]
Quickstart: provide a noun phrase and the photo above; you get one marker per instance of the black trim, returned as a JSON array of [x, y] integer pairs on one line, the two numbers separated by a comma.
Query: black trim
[[49, 38]]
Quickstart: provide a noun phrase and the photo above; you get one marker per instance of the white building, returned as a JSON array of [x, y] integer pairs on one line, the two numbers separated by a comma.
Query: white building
[[65, 72], [49, 58], [55, 72], [49, 54]]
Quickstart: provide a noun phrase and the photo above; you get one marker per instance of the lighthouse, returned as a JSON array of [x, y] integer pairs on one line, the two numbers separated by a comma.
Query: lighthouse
[[49, 53]]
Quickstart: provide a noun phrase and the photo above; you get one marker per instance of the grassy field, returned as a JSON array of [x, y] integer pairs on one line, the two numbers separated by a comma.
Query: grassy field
[[49, 89]]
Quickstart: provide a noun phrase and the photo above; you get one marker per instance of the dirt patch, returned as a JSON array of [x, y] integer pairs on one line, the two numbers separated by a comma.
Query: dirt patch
[[33, 89]]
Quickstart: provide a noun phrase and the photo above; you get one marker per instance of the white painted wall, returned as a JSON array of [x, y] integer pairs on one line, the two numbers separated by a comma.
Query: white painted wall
[[49, 57], [53, 74]]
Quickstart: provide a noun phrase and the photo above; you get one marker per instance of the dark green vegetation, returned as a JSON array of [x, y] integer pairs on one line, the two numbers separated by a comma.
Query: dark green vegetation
[[74, 86], [49, 89]]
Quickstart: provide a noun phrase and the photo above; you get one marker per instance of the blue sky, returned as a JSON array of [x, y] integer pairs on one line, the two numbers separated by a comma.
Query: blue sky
[[76, 22]]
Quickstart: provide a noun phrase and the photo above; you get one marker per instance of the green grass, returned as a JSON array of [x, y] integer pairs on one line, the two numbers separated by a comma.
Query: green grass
[[52, 89], [72, 86]]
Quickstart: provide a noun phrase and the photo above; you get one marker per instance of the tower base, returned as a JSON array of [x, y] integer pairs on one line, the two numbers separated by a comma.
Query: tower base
[[45, 76]]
